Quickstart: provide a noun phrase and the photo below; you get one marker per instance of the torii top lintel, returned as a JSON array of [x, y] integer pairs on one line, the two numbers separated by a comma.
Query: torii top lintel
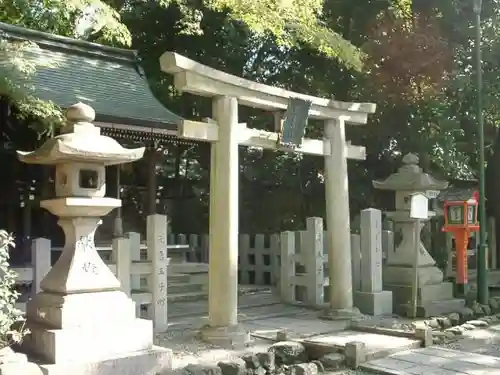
[[199, 79]]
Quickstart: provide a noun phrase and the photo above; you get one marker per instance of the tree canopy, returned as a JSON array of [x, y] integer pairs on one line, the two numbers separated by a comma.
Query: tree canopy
[[412, 57]]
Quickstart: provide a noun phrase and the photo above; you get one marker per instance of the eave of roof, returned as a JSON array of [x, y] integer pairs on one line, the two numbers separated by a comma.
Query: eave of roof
[[106, 78]]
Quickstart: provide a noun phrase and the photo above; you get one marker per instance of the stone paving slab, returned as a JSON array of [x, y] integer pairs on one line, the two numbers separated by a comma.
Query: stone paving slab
[[435, 361], [373, 342], [297, 326]]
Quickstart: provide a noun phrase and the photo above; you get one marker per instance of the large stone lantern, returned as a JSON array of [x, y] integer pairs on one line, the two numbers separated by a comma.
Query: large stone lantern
[[434, 295], [81, 315]]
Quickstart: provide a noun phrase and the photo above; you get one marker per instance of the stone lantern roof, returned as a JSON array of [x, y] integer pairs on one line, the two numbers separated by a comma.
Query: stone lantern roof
[[410, 177], [81, 141]]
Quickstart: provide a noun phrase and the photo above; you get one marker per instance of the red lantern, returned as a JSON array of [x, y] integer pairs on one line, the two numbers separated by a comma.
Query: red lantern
[[460, 218]]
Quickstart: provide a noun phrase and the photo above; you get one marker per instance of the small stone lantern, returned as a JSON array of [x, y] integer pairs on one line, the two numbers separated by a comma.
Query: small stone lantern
[[398, 274], [81, 314]]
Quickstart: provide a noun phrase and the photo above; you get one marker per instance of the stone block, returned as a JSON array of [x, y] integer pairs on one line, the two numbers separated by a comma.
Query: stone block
[[444, 322], [403, 275], [427, 293], [20, 368], [374, 303], [94, 344], [267, 360], [154, 361], [288, 352], [235, 337], [465, 314], [332, 361], [355, 354], [251, 361], [494, 305], [425, 335], [282, 335], [304, 369], [205, 369], [428, 309], [454, 318], [235, 366]]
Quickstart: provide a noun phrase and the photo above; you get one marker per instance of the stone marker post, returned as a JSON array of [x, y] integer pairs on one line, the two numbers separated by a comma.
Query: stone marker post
[[122, 259], [356, 262], [134, 239], [371, 299], [157, 254], [287, 268], [314, 261]]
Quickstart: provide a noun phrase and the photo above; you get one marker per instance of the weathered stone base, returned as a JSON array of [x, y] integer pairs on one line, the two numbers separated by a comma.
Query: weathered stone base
[[232, 337], [402, 293], [403, 275], [340, 314], [89, 344], [432, 299], [154, 361], [428, 309], [374, 303]]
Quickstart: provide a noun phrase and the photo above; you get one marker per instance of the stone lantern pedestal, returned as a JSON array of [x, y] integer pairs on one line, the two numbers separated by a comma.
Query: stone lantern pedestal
[[435, 296], [81, 322]]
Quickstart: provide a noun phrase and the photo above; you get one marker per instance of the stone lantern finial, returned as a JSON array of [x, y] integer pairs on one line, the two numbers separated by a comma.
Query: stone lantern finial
[[411, 159], [80, 112], [79, 119]]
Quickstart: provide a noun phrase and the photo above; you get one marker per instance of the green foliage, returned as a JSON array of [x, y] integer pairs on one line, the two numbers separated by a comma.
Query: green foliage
[[292, 21], [416, 64], [73, 18], [12, 323], [16, 73]]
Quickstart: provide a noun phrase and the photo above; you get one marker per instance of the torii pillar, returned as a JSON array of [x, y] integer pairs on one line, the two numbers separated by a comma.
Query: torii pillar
[[225, 134]]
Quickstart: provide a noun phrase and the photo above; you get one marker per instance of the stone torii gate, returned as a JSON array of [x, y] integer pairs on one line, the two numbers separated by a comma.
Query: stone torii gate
[[225, 134]]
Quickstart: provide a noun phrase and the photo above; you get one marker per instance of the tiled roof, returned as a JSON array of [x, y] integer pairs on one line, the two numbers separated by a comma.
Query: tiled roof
[[108, 79]]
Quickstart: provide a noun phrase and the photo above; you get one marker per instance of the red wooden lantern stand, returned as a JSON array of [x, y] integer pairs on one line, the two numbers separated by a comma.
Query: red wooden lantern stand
[[460, 218]]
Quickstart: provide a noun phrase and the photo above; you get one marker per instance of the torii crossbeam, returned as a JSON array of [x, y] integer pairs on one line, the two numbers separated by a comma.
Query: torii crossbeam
[[225, 134]]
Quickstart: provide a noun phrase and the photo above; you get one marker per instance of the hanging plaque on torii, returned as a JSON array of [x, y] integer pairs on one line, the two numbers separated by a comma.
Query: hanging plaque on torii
[[293, 127]]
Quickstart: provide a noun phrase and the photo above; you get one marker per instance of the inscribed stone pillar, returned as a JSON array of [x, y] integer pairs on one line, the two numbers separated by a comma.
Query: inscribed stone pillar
[[371, 250], [224, 176], [371, 299], [314, 261], [338, 234], [157, 254]]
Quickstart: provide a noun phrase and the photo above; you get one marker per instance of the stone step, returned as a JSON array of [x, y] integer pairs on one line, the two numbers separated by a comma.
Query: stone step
[[186, 297], [178, 278], [188, 268], [435, 308], [180, 288]]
